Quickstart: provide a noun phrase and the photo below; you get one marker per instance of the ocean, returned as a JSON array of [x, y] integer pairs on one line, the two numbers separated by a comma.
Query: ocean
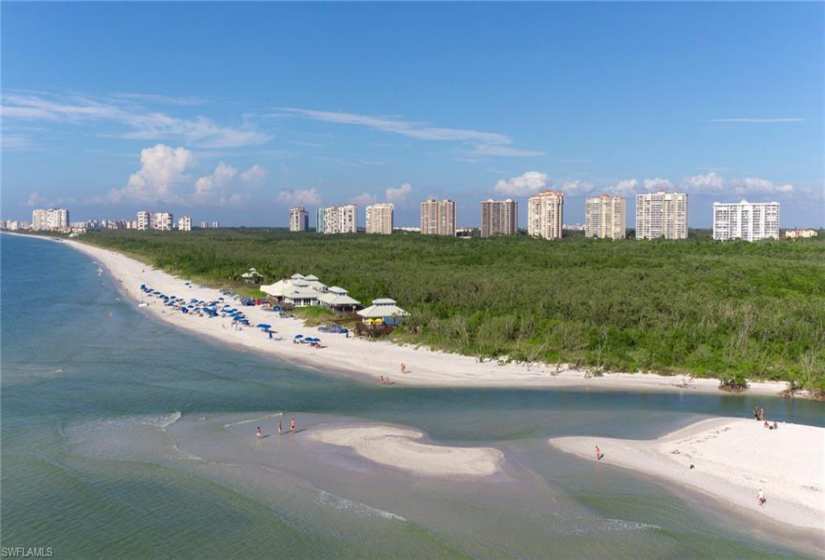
[[125, 438]]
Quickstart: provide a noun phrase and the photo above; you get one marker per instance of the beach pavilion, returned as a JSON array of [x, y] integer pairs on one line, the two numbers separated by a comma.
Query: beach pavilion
[[383, 310], [252, 276], [338, 299], [297, 290]]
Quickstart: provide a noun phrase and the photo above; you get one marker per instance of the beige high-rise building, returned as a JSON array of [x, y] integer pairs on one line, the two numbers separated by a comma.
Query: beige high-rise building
[[545, 215], [604, 217], [750, 221], [662, 215], [380, 218], [144, 220], [163, 221], [298, 219], [499, 217], [341, 219], [53, 219], [438, 217], [185, 223]]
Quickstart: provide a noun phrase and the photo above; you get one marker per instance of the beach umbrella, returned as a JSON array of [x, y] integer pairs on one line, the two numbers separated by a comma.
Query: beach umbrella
[[264, 325]]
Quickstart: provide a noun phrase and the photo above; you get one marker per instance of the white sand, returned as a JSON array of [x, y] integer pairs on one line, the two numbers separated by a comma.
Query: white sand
[[733, 459], [397, 447], [375, 358]]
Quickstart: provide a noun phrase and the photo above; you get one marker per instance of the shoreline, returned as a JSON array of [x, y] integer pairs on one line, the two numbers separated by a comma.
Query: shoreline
[[730, 460], [368, 360]]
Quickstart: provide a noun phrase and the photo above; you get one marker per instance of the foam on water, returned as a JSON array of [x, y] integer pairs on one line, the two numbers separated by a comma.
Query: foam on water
[[252, 420], [363, 510]]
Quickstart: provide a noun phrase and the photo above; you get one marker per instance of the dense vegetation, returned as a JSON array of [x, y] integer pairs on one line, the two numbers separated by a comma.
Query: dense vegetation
[[730, 310]]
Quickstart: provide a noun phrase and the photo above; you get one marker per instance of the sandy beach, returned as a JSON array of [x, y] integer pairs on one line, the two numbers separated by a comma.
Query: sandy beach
[[399, 448], [732, 460], [371, 359]]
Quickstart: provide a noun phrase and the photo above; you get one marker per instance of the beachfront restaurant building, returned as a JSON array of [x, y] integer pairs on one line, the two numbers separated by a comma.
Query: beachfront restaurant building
[[382, 311]]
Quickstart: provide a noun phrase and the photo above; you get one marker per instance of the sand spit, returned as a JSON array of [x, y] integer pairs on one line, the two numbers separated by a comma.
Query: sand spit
[[399, 448], [732, 460]]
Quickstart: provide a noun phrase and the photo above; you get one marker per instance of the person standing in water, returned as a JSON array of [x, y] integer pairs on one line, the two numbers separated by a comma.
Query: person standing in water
[[259, 433]]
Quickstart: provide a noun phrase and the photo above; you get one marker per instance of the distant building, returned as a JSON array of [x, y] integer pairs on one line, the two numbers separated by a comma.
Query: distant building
[[499, 217], [379, 218], [340, 219], [662, 215], [749, 221], [573, 227], [604, 217], [407, 229], [800, 233], [53, 219], [438, 217], [204, 225], [185, 223], [144, 220], [319, 220], [215, 224], [298, 219], [163, 221], [545, 215]]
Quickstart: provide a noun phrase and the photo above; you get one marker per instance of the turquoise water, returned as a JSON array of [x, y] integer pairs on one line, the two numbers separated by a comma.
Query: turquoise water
[[104, 408]]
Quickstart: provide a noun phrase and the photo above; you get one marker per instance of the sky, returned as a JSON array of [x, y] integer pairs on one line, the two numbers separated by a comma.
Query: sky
[[237, 112]]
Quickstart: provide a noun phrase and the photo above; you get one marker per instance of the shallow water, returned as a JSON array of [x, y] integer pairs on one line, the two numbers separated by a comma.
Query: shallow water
[[115, 444]]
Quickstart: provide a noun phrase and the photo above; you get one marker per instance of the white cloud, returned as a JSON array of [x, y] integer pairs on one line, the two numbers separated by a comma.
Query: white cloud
[[299, 197], [363, 199], [35, 199], [760, 186], [226, 185], [523, 185], [484, 143], [658, 184], [575, 188], [625, 187], [162, 169], [398, 194], [142, 124], [711, 181], [758, 120], [483, 150]]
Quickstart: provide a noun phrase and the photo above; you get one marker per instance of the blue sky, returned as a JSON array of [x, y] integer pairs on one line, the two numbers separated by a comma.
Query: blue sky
[[235, 112]]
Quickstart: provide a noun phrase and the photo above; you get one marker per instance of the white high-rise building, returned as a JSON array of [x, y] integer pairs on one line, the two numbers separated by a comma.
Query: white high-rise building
[[545, 215], [185, 223], [438, 217], [320, 213], [53, 219], [298, 219], [750, 221], [604, 217], [380, 218], [163, 221], [499, 217], [144, 220], [341, 219], [662, 215]]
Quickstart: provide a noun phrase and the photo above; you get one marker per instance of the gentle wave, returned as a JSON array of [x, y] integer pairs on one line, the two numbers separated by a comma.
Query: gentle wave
[[343, 504], [251, 420]]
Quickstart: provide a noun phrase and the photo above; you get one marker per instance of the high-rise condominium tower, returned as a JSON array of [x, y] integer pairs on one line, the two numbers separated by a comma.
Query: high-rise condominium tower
[[341, 219], [750, 221], [380, 218], [438, 217], [604, 217], [661, 215], [298, 219], [499, 217], [545, 215]]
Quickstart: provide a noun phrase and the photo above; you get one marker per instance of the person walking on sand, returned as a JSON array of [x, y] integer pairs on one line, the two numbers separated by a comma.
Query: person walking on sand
[[281, 424], [403, 367], [292, 424], [259, 433], [598, 454], [760, 497]]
